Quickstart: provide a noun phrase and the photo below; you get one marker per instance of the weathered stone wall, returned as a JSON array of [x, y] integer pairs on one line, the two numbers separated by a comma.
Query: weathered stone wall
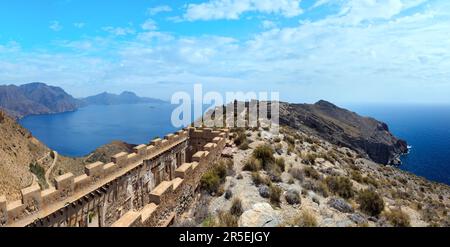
[[142, 188]]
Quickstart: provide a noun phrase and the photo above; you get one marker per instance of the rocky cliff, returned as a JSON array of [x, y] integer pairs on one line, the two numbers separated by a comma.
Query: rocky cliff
[[369, 137]]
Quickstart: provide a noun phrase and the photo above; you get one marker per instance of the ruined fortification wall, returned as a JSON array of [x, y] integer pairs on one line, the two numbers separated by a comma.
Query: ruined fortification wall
[[139, 188]]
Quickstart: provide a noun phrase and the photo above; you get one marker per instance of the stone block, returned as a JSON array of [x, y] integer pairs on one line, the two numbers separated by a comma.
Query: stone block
[[94, 169], [120, 159], [140, 150], [163, 188], [129, 219], [81, 181], [31, 196], [109, 168], [65, 182]]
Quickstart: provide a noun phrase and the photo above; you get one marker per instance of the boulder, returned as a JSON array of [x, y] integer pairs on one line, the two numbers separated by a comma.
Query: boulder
[[264, 191], [357, 218], [293, 197], [341, 205], [261, 215]]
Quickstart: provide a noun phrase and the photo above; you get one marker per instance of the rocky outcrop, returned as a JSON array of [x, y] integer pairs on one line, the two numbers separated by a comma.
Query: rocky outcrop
[[35, 98], [261, 215], [369, 137]]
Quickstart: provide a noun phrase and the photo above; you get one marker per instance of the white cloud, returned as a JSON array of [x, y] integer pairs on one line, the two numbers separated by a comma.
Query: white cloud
[[119, 31], [79, 24], [159, 9], [149, 25], [266, 24], [233, 9], [396, 57], [55, 26]]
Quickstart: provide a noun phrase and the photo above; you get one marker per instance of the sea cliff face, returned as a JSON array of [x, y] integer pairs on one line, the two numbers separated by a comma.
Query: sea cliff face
[[369, 137]]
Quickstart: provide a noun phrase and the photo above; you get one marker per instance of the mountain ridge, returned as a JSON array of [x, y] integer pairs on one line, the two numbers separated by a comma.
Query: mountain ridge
[[38, 98]]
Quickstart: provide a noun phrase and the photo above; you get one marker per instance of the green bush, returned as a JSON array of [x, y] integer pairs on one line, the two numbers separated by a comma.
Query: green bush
[[236, 207], [252, 165], [39, 171], [341, 186], [264, 154], [213, 178], [370, 202], [210, 182]]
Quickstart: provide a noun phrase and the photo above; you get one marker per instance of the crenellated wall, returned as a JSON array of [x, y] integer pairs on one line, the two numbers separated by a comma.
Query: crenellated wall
[[139, 188]]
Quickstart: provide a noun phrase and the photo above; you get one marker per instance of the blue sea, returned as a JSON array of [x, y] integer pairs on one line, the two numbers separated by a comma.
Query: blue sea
[[78, 133], [425, 128]]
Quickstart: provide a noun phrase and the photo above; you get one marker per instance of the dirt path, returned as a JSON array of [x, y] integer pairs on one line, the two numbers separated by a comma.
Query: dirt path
[[49, 171]]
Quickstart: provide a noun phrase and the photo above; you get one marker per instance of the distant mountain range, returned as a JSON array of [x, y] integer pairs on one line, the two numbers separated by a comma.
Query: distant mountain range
[[38, 98], [114, 99]]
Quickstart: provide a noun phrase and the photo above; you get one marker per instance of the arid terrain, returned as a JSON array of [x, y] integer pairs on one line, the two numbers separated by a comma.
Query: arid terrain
[[293, 179]]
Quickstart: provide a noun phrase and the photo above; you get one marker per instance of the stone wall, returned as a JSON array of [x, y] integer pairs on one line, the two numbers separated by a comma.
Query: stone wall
[[139, 188]]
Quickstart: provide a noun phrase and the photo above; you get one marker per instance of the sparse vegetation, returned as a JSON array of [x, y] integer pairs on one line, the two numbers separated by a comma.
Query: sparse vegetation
[[39, 171], [236, 207], [305, 219], [398, 218], [264, 154], [297, 173], [212, 179], [275, 194], [370, 202], [311, 173], [280, 164], [340, 186]]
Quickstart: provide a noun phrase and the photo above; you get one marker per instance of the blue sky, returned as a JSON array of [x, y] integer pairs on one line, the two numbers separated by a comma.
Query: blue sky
[[342, 50]]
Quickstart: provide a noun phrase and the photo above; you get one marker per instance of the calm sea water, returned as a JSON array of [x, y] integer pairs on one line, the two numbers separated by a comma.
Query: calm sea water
[[79, 133], [426, 128]]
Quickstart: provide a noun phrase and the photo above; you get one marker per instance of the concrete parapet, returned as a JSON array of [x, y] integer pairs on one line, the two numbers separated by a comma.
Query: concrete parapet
[[148, 212], [156, 142], [194, 165], [49, 195], [31, 197], [140, 150], [132, 158], [176, 182], [183, 170], [65, 183], [120, 159], [129, 219], [15, 209], [94, 169], [163, 188], [109, 168], [198, 156], [210, 147], [81, 181]]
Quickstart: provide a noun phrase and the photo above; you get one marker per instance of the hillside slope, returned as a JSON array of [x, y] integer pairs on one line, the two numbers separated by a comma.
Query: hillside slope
[[18, 150]]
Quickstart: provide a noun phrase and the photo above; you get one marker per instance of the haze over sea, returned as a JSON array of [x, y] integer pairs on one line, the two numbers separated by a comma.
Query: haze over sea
[[424, 127]]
